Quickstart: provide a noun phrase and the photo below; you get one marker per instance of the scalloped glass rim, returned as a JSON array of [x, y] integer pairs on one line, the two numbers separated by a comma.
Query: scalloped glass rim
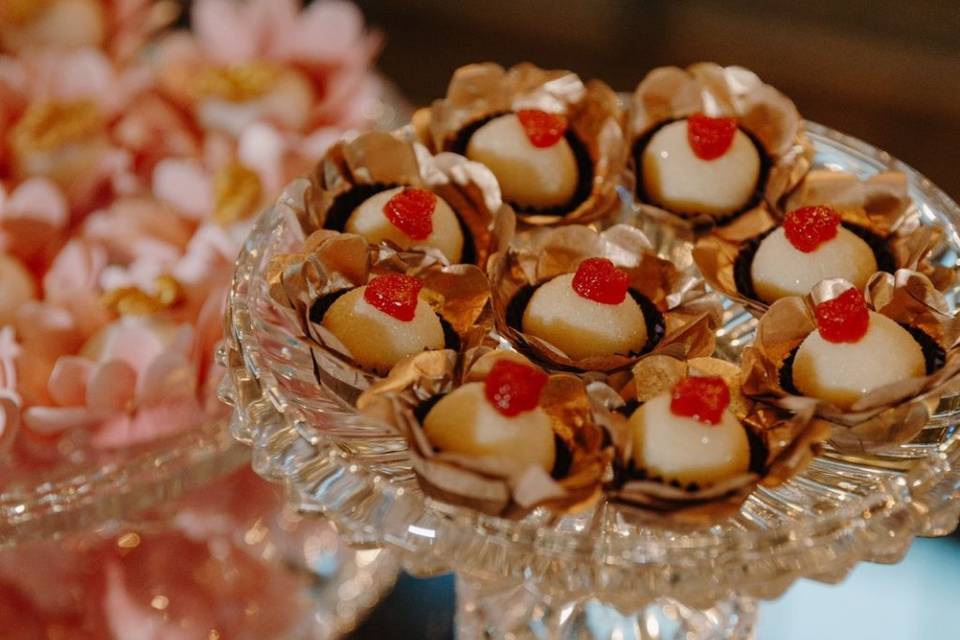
[[818, 525]]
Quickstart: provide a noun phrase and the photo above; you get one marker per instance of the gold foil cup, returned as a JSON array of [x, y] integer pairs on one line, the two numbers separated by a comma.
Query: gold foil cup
[[491, 485], [879, 205], [782, 444], [332, 263], [481, 91], [886, 416], [353, 170], [689, 314], [672, 93]]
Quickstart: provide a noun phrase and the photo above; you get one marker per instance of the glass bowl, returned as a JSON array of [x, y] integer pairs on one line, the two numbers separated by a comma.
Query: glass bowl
[[600, 573]]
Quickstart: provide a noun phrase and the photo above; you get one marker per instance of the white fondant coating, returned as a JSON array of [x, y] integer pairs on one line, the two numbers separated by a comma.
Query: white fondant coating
[[580, 327], [842, 372], [678, 448], [465, 422], [675, 178], [368, 220], [377, 340], [779, 269], [529, 176]]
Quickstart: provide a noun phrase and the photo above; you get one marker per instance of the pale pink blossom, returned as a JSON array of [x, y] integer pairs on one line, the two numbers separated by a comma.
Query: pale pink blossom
[[133, 382], [33, 220], [10, 400]]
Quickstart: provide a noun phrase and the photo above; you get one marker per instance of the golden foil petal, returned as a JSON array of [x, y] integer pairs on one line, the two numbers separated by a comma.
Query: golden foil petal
[[237, 193], [135, 301], [237, 82]]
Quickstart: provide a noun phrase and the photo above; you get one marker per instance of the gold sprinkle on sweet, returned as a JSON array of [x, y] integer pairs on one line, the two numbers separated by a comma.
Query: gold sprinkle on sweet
[[128, 301], [237, 82], [48, 125], [236, 192]]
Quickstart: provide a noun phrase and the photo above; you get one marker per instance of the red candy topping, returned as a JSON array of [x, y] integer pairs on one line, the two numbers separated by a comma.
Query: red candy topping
[[809, 227], [710, 137], [599, 280], [411, 211], [701, 398], [394, 294], [843, 319], [543, 129], [512, 387]]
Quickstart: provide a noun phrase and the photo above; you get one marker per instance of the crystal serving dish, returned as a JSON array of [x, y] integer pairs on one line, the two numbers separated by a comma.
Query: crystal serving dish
[[598, 574]]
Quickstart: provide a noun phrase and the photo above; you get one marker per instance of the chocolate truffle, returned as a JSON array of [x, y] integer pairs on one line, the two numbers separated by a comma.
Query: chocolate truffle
[[384, 321], [701, 165], [408, 217], [689, 435], [588, 313]]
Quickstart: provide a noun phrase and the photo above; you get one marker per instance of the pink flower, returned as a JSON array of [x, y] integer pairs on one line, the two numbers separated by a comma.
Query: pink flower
[[268, 61], [133, 382], [33, 219]]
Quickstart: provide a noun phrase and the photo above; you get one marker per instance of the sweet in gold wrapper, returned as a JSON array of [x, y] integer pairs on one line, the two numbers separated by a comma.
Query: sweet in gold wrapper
[[353, 185], [878, 210], [678, 314], [569, 170], [710, 144], [883, 415], [308, 286], [780, 443], [493, 483]]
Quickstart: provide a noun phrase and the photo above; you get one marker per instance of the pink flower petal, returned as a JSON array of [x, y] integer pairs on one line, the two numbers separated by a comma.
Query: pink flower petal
[[147, 424], [135, 341], [170, 377], [68, 382], [112, 387], [326, 32], [39, 200], [224, 31], [51, 420], [185, 185], [9, 418]]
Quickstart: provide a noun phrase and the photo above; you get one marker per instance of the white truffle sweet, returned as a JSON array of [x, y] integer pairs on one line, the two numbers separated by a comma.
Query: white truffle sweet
[[841, 372], [682, 449], [370, 221], [529, 176], [465, 422], [581, 327], [676, 179], [779, 269], [377, 340]]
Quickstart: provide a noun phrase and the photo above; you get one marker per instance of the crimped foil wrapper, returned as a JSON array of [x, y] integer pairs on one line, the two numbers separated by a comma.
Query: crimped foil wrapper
[[491, 485], [889, 415], [670, 93], [333, 263], [879, 208], [782, 444], [353, 170], [688, 314], [478, 92]]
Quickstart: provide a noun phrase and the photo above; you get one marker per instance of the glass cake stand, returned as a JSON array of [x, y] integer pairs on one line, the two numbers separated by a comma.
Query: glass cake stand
[[597, 574]]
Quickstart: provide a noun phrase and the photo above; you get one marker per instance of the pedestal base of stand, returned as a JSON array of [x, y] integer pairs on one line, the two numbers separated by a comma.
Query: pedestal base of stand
[[521, 612]]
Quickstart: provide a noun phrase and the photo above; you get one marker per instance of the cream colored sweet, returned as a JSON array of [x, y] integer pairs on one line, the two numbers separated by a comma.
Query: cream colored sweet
[[370, 221], [16, 288], [464, 422], [529, 176], [581, 327], [842, 372], [779, 269], [377, 340], [676, 179], [682, 449]]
